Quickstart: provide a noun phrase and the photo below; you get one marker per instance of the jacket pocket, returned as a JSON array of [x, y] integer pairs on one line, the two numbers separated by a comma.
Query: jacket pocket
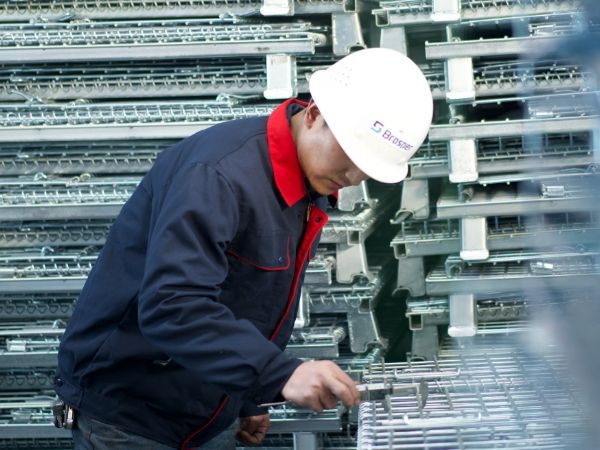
[[264, 251], [259, 278]]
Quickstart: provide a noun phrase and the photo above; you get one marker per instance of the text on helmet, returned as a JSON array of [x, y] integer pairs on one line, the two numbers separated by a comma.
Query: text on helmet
[[386, 134]]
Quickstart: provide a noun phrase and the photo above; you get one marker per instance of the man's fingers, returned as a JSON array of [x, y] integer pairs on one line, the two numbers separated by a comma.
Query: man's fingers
[[250, 438], [341, 391], [327, 399], [343, 378]]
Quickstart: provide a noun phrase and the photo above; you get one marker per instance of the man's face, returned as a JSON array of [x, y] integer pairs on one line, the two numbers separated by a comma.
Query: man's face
[[324, 163]]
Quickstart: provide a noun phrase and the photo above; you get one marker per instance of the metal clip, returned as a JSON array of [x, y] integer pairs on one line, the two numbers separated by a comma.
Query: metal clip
[[64, 415]]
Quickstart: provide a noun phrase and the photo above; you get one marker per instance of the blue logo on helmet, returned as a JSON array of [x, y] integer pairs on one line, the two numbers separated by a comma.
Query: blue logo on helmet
[[380, 129]]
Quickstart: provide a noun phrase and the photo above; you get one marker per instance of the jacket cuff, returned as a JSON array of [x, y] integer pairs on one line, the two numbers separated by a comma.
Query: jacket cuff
[[249, 409], [274, 377]]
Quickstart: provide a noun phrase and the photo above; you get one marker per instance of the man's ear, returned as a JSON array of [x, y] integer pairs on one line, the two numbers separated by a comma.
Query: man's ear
[[311, 113]]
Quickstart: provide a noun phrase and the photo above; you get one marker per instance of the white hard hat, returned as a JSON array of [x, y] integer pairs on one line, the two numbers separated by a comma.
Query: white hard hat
[[378, 106]]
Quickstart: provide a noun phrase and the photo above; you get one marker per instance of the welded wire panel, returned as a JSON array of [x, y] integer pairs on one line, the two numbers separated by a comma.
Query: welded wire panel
[[486, 393], [121, 9], [512, 195], [20, 337], [404, 12], [32, 266], [319, 340], [26, 379], [81, 121], [138, 79], [350, 227], [320, 270], [99, 114], [342, 298], [289, 419], [72, 233], [20, 306], [408, 6], [535, 262], [427, 230], [77, 158], [78, 197], [155, 39], [538, 107], [510, 75], [436, 310], [556, 145]]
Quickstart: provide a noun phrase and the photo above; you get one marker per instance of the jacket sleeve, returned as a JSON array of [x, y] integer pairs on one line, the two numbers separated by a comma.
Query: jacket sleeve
[[179, 310], [249, 409]]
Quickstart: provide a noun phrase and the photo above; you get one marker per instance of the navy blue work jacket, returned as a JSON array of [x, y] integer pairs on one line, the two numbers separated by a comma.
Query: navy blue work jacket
[[181, 325]]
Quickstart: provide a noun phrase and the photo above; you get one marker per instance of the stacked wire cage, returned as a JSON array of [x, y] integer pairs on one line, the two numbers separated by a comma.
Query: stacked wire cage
[[91, 92], [497, 230]]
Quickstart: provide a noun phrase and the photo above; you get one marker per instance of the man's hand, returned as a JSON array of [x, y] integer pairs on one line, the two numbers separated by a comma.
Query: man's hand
[[253, 429], [318, 384]]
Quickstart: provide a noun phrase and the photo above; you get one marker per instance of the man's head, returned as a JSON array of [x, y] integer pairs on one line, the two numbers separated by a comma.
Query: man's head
[[369, 114], [322, 160]]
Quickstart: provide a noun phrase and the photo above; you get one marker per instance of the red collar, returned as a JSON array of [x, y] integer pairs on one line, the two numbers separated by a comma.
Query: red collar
[[284, 155], [288, 175]]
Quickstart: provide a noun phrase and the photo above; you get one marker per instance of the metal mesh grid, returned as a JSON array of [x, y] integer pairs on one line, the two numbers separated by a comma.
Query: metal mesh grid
[[512, 148], [68, 158], [490, 394], [537, 263], [142, 79], [176, 31], [485, 4], [428, 230], [118, 8], [507, 73], [408, 6], [40, 336], [52, 233], [341, 298], [26, 379], [76, 191], [323, 331], [32, 115], [36, 306], [29, 265], [550, 145]]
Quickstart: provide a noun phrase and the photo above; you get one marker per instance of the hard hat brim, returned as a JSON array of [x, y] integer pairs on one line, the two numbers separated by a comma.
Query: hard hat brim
[[325, 98]]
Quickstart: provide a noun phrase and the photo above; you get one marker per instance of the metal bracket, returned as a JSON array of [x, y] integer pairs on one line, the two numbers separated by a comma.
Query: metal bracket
[[351, 260], [473, 238], [281, 77], [394, 38], [462, 161], [463, 315], [346, 33], [460, 83], [351, 196], [363, 329], [415, 198], [411, 275], [277, 8], [303, 315], [425, 343], [306, 441], [445, 11]]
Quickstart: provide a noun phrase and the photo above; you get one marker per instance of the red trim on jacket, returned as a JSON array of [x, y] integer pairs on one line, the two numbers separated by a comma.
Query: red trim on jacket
[[192, 435], [289, 178], [316, 222], [247, 261]]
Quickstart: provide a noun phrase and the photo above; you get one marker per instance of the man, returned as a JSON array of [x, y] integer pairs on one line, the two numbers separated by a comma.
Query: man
[[181, 326]]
